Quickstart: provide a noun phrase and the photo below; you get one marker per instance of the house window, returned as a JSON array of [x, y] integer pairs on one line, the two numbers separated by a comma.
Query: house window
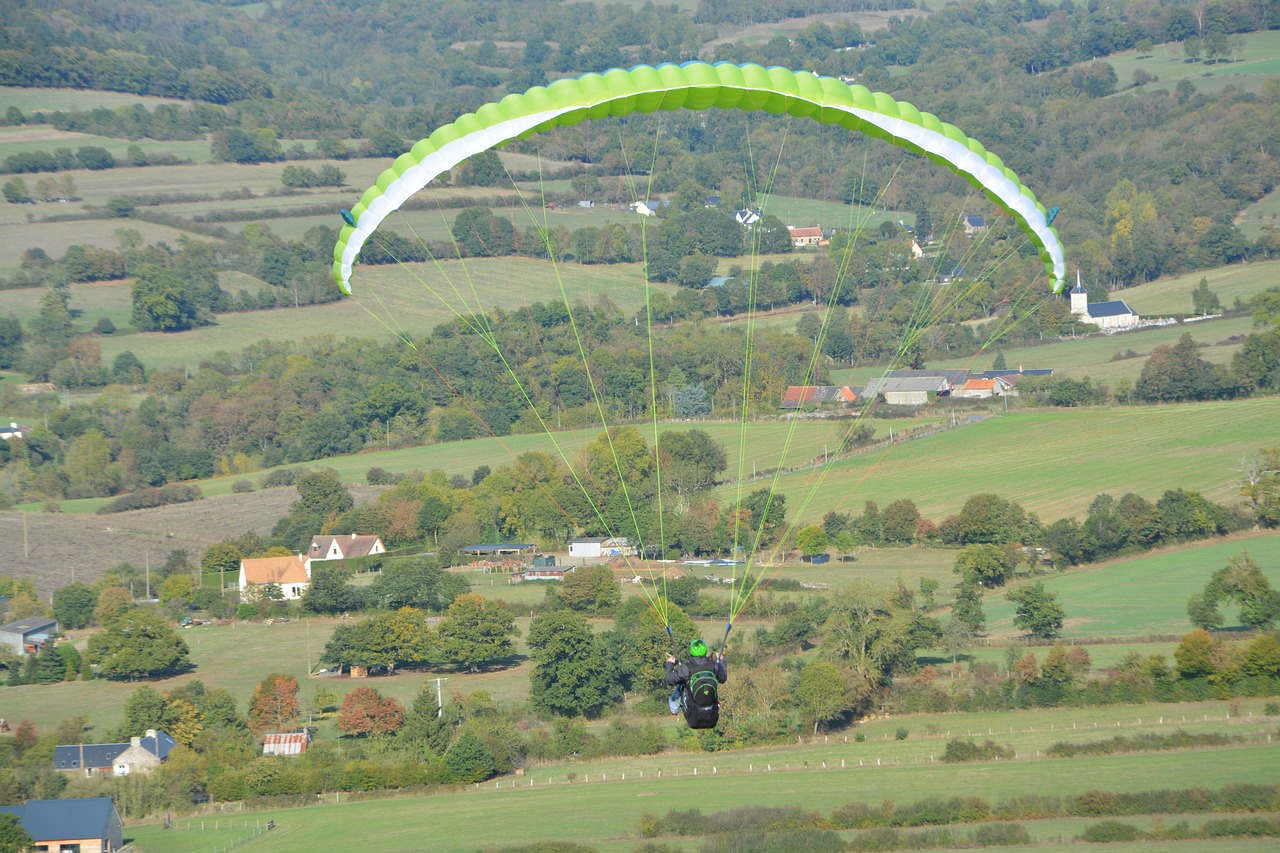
[[70, 848]]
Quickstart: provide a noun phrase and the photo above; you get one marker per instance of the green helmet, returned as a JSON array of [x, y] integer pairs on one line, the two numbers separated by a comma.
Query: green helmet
[[698, 649]]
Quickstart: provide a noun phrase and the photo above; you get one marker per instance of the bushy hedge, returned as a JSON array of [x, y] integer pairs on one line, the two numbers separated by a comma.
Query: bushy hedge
[[1110, 831], [173, 493], [1149, 742], [960, 750], [802, 840]]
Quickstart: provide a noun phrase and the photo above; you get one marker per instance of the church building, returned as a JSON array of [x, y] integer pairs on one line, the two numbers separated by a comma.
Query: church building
[[1112, 316]]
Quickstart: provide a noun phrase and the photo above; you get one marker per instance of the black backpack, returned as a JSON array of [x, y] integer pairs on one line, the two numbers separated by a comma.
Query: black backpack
[[702, 699]]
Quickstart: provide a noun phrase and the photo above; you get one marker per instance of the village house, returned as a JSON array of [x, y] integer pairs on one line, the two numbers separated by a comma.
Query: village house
[[818, 396], [291, 573], [140, 755], [973, 224], [14, 430], [802, 237], [79, 825], [1112, 316], [345, 547]]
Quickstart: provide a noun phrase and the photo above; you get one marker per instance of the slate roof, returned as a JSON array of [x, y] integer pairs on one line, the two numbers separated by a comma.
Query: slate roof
[[1014, 372], [104, 754], [85, 817], [29, 625], [811, 395], [1114, 308], [958, 376], [891, 384]]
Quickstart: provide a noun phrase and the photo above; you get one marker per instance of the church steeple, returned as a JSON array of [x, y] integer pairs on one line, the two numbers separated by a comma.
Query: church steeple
[[1079, 298]]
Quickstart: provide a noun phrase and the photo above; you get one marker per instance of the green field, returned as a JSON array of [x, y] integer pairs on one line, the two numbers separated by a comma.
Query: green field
[[1260, 58], [1143, 595], [31, 100], [606, 810], [1262, 215], [1049, 460]]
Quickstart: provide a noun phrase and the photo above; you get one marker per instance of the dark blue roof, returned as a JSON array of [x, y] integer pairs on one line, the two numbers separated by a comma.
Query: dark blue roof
[[94, 755], [87, 817], [490, 547], [1114, 308], [1030, 371], [105, 754]]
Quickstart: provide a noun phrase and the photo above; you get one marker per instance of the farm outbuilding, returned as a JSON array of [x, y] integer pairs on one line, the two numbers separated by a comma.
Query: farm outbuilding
[[28, 635], [285, 743], [601, 546], [501, 549]]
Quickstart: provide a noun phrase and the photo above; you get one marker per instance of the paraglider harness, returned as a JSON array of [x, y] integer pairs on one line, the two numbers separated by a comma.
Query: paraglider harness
[[699, 695]]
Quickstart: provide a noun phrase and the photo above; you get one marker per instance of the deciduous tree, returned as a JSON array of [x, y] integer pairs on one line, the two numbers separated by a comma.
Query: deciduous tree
[[139, 644], [365, 711], [1037, 611], [274, 706]]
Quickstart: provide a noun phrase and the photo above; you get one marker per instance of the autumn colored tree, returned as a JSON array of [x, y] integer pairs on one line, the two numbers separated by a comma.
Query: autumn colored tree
[[274, 705], [365, 712]]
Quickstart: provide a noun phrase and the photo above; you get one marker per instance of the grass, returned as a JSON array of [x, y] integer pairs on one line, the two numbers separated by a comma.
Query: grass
[[1049, 460], [1149, 450], [1143, 595], [31, 100], [1262, 215], [1259, 59], [1172, 294], [606, 812], [1093, 357]]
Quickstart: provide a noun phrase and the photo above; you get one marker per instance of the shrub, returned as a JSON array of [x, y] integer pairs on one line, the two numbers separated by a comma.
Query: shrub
[[803, 840], [376, 476], [1110, 831], [853, 816], [961, 750], [901, 734], [1271, 709], [939, 811], [282, 477], [242, 487], [881, 838], [1001, 835], [1234, 827], [147, 498]]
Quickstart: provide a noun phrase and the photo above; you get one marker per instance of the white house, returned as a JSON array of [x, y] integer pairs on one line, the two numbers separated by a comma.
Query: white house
[[345, 547], [1112, 316], [292, 573]]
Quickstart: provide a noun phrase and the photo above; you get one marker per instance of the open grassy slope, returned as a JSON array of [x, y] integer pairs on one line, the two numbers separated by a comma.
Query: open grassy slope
[[1259, 59], [1053, 462], [605, 813], [1141, 595]]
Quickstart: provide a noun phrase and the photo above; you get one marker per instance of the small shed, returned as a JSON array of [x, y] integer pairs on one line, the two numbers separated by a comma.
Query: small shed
[[285, 743], [29, 635]]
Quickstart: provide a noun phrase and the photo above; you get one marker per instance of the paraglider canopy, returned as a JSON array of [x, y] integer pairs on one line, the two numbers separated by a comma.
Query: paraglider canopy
[[698, 86]]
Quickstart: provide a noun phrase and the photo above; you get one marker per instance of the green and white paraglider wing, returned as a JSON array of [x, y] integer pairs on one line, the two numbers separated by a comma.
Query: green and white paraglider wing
[[697, 86]]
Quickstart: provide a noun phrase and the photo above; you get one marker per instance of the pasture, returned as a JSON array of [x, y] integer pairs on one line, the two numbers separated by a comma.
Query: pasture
[[606, 811], [1258, 58], [1048, 460], [1262, 215], [1141, 595]]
